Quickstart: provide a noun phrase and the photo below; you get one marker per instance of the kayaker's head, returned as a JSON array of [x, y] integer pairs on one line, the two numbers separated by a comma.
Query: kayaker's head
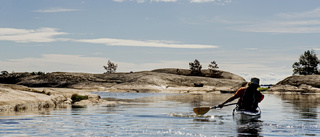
[[254, 82]]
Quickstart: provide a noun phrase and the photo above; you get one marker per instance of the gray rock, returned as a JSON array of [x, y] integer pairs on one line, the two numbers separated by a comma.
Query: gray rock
[[298, 83], [160, 80]]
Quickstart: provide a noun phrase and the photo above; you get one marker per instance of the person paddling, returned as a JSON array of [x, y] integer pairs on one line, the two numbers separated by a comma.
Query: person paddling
[[249, 97]]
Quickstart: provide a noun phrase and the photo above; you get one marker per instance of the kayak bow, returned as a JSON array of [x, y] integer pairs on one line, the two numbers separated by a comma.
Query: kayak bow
[[243, 115]]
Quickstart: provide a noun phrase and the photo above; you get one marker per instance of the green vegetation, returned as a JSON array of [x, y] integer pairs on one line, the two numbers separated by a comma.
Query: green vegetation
[[307, 65], [195, 68], [4, 72], [38, 73], [76, 98], [263, 89], [111, 67], [213, 66]]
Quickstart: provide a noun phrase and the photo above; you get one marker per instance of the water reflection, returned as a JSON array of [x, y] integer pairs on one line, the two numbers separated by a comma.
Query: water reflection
[[170, 115], [197, 100], [26, 111], [303, 104], [249, 128], [302, 100]]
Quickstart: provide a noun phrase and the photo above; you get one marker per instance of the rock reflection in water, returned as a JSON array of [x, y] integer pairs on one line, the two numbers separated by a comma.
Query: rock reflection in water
[[195, 100], [170, 115], [304, 104]]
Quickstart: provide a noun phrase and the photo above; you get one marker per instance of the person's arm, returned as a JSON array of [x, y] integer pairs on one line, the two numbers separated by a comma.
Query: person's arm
[[228, 100], [235, 96]]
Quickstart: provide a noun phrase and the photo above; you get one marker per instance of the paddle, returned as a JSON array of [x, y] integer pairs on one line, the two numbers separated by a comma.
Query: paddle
[[204, 110]]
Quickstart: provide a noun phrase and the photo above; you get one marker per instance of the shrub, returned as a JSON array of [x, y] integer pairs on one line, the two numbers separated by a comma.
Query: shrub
[[195, 68], [76, 98], [307, 65], [111, 67], [4, 73], [263, 89], [213, 66]]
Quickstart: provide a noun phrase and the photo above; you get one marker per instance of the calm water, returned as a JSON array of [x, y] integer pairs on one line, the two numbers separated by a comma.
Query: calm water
[[149, 114]]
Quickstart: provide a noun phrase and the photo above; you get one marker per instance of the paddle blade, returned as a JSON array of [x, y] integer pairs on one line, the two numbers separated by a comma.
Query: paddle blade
[[201, 110]]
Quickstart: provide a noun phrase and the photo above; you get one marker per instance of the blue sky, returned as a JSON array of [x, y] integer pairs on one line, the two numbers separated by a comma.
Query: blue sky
[[246, 37]]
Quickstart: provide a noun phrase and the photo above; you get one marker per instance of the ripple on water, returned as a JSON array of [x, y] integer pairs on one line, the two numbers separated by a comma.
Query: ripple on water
[[189, 115], [166, 116]]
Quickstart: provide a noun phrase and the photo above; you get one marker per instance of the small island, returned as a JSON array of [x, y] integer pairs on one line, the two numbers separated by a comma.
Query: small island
[[305, 78], [298, 84], [39, 90], [21, 91]]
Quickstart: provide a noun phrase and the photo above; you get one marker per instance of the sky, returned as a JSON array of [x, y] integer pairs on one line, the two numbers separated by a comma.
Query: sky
[[249, 38]]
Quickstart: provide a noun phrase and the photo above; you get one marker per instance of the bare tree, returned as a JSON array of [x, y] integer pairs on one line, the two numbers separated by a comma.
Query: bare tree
[[111, 67]]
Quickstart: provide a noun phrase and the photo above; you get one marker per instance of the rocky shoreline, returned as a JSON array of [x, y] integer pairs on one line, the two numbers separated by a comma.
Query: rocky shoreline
[[32, 91], [21, 98], [161, 80], [298, 84]]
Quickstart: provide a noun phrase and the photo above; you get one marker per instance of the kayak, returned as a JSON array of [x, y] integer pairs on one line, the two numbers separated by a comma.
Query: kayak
[[243, 115]]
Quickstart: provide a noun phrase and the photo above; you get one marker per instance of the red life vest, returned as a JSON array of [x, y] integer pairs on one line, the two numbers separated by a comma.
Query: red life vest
[[250, 99]]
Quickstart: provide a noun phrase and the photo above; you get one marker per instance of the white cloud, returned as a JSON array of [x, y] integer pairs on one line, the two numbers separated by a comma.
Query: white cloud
[[52, 10], [127, 67], [221, 2], [29, 35], [118, 0], [203, 1], [49, 35], [219, 19], [265, 78], [253, 49], [163, 0], [55, 62], [137, 43], [269, 74], [199, 1], [303, 26], [308, 14], [77, 63], [143, 1], [288, 23]]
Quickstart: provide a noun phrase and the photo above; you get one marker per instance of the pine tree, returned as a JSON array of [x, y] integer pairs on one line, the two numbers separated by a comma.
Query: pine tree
[[111, 67], [212, 68], [195, 68], [307, 65]]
